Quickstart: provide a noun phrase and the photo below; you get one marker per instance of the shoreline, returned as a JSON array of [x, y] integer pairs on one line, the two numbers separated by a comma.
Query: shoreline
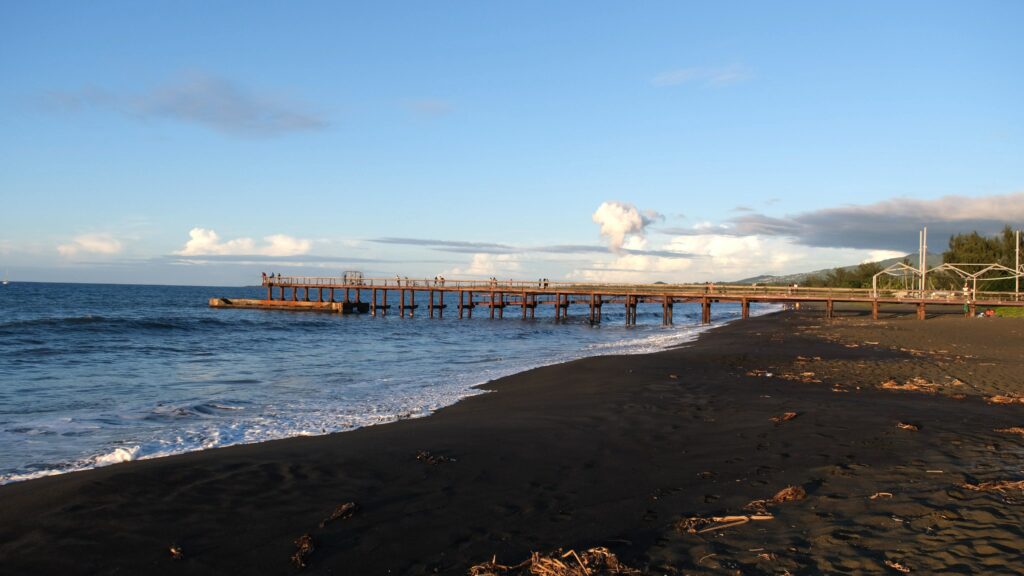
[[600, 451], [119, 454]]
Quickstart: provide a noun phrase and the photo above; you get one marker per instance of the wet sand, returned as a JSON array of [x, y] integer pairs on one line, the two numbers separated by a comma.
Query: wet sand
[[608, 451]]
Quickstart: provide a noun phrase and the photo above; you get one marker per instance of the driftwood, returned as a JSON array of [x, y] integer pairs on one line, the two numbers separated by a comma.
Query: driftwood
[[787, 494], [915, 384], [427, 458], [592, 562], [303, 548], [758, 512], [1000, 399], [878, 495], [897, 566], [1012, 430], [907, 426], [784, 417], [342, 511], [701, 524], [997, 486]]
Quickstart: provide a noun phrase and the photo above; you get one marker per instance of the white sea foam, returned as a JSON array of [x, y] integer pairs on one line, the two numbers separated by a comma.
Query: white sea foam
[[204, 423]]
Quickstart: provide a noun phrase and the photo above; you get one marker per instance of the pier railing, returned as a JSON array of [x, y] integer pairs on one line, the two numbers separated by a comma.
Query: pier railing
[[691, 289]]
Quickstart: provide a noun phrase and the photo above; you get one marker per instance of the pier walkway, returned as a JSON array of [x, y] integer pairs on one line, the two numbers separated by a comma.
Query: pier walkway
[[370, 295]]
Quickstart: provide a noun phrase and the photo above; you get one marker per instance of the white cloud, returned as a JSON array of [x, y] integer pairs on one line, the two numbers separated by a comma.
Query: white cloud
[[620, 222], [205, 242], [486, 264], [90, 244], [879, 255]]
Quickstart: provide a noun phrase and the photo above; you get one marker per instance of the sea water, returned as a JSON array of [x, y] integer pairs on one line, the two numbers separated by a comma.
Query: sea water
[[92, 375]]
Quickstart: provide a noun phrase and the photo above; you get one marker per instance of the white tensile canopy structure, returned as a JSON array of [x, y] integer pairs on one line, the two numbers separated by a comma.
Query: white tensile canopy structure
[[916, 278]]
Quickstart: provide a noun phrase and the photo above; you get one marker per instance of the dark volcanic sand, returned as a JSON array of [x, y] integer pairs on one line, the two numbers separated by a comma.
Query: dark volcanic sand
[[609, 451]]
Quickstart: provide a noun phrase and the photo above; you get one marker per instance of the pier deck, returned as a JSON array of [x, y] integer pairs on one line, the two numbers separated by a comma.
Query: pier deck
[[344, 295]]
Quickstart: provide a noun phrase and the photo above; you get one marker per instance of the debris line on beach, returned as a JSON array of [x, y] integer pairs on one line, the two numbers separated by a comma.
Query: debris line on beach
[[593, 562], [1012, 430]]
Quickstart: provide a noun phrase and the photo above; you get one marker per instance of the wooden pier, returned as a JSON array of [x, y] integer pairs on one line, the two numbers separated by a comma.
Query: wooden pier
[[370, 295]]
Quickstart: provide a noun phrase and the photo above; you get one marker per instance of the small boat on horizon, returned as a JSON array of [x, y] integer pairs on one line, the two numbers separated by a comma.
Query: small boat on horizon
[[5, 281]]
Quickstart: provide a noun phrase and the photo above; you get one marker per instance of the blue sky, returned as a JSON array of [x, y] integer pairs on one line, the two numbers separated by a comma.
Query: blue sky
[[202, 143]]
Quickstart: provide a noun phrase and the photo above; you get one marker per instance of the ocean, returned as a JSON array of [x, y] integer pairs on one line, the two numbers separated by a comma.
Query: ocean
[[92, 375]]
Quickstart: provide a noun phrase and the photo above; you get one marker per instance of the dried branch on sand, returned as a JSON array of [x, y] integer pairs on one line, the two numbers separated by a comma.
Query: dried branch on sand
[[897, 566], [784, 417], [915, 384], [593, 562], [426, 457], [1012, 430], [758, 512], [303, 548], [1005, 399], [787, 494], [906, 426], [700, 524], [342, 511], [878, 495], [997, 486]]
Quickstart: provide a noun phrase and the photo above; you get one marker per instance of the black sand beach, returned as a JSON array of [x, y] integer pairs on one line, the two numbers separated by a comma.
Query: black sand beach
[[607, 451]]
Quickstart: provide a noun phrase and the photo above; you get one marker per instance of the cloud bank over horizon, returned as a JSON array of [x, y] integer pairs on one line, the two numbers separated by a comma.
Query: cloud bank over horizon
[[205, 242], [887, 225]]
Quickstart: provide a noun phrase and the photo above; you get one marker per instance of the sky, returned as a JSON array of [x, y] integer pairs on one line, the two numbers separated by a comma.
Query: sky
[[205, 142]]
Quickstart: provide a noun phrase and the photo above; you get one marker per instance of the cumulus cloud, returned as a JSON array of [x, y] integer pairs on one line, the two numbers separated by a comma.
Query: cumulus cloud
[[205, 242], [90, 244], [887, 225], [206, 100], [703, 75], [621, 222]]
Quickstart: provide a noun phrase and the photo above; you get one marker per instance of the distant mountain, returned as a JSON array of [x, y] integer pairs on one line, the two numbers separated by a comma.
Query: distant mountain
[[801, 277]]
